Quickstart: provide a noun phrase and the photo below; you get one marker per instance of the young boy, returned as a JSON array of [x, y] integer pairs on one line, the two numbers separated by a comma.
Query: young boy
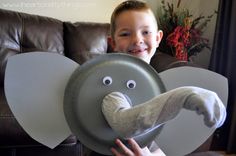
[[134, 31]]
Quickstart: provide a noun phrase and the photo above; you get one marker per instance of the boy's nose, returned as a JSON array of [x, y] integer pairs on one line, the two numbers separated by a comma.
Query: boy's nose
[[137, 39]]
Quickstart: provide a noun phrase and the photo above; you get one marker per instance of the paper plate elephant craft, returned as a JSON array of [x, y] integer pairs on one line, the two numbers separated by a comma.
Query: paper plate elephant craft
[[114, 96]]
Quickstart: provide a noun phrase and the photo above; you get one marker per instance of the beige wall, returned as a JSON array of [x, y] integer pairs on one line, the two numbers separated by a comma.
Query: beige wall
[[68, 10], [100, 11]]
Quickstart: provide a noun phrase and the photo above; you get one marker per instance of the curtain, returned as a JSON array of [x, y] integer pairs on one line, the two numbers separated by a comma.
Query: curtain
[[223, 61]]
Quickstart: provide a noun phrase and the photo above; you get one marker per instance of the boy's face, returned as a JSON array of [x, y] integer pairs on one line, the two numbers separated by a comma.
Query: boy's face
[[136, 34]]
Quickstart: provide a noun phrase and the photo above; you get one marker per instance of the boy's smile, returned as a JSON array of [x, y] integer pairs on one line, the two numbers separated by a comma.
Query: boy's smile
[[137, 50], [136, 34]]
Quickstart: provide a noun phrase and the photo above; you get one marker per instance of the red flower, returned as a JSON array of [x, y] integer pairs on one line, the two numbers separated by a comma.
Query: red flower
[[179, 40], [183, 34]]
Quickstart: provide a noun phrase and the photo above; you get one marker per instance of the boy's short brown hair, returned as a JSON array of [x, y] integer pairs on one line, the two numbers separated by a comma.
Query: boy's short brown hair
[[127, 6]]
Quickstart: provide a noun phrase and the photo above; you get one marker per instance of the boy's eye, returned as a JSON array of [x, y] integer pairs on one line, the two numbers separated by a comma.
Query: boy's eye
[[123, 34], [146, 32]]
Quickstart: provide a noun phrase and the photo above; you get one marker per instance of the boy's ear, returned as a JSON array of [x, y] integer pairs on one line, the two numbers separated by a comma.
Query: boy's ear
[[159, 36], [111, 42]]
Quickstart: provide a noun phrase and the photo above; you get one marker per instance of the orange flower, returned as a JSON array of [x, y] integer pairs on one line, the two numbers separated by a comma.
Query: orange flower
[[183, 35]]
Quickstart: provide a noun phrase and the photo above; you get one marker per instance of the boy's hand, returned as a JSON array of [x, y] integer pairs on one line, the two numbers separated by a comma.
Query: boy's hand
[[135, 150]]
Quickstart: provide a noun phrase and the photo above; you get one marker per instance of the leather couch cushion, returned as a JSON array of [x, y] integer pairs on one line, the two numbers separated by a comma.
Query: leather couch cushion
[[84, 40], [36, 38], [10, 32], [21, 32]]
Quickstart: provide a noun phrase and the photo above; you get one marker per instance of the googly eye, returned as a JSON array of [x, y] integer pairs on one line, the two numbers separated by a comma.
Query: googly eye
[[107, 80], [131, 84]]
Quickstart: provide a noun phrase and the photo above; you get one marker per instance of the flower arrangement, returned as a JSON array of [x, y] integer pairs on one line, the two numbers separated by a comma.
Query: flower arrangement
[[183, 34]]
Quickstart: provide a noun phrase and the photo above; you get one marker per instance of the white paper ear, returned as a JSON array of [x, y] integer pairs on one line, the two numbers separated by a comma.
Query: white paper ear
[[186, 132], [34, 88]]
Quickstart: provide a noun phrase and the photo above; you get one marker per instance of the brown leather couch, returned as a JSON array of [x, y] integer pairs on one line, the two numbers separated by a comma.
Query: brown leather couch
[[80, 41]]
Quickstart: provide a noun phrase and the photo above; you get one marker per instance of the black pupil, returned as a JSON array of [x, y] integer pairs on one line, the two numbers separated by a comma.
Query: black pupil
[[131, 85], [107, 82]]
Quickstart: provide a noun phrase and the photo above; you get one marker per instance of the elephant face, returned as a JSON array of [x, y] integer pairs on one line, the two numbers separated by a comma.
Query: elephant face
[[92, 81], [58, 82]]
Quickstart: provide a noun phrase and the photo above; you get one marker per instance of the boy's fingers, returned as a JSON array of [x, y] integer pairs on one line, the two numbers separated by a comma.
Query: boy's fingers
[[115, 152], [135, 147], [125, 149]]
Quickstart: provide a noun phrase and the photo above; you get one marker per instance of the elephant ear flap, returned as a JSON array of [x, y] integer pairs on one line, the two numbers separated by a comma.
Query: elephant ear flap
[[187, 131], [34, 87], [199, 77]]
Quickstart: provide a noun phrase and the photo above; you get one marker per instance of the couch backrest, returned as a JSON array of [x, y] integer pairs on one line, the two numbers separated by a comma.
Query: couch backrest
[[80, 41], [21, 32], [85, 40]]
